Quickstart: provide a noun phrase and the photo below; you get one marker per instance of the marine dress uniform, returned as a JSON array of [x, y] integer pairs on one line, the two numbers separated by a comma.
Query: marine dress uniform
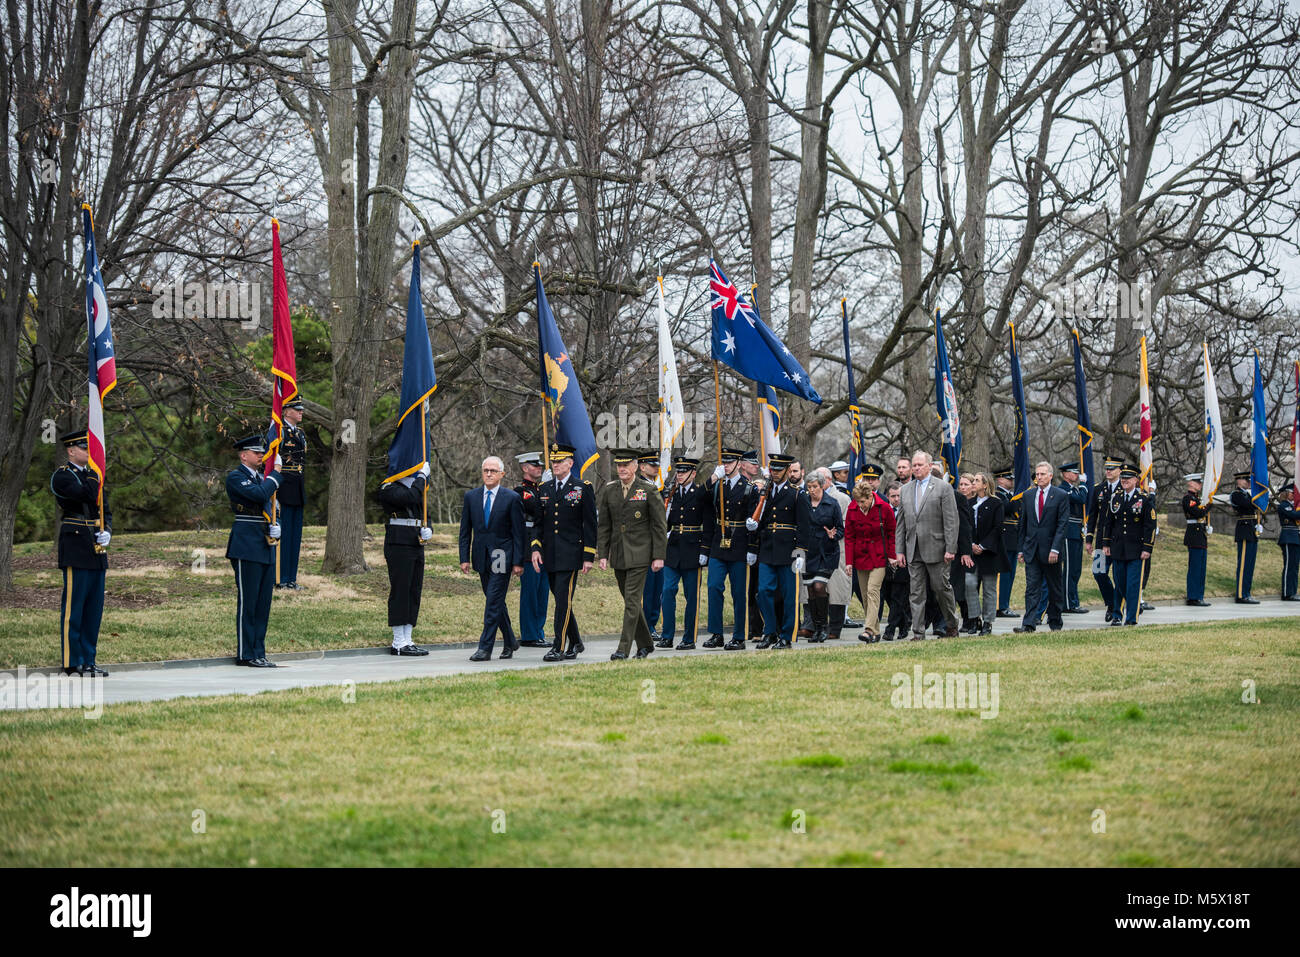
[[690, 536], [1288, 539], [632, 537], [732, 552], [1247, 538], [291, 499], [534, 594], [1130, 530], [83, 559], [565, 540], [251, 553], [777, 531], [1196, 514]]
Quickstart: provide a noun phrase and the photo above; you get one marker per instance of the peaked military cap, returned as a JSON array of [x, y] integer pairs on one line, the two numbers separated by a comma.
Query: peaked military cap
[[872, 471], [732, 455], [779, 460], [686, 463], [80, 437], [529, 458], [560, 450], [624, 456], [1242, 475], [251, 443]]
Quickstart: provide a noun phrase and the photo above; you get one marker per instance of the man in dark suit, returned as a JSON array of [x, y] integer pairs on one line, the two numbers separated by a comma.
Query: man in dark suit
[[83, 555], [564, 543], [1044, 515], [492, 543], [1128, 538]]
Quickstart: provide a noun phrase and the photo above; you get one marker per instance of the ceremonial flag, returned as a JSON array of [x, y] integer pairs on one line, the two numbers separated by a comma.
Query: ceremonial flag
[[1259, 491], [283, 367], [743, 341], [1082, 418], [856, 444], [1144, 426], [1213, 431], [769, 418], [945, 397], [101, 363], [560, 386], [1020, 457], [672, 414], [409, 451], [1295, 440]]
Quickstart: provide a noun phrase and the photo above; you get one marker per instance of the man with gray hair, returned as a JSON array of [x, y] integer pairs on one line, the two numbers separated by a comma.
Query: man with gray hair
[[926, 542], [492, 543]]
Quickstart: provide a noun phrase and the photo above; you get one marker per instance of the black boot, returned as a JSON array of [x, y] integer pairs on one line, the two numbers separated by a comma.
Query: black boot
[[836, 621]]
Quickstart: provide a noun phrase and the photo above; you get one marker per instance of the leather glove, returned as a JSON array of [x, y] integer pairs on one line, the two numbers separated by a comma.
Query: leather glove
[[751, 524], [424, 470], [751, 558], [797, 565], [704, 560], [274, 530], [103, 538], [426, 533]]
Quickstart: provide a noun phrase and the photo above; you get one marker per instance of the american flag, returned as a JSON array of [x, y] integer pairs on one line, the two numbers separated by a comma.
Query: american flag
[[99, 347]]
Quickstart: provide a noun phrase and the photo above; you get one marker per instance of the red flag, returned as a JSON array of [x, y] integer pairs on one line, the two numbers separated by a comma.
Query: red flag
[[102, 363], [283, 366]]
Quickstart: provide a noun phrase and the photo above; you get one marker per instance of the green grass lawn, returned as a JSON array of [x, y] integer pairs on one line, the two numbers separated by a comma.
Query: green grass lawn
[[702, 760], [172, 595]]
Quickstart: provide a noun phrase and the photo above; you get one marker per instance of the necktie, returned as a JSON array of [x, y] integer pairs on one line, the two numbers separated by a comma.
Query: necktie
[[487, 506], [1042, 493]]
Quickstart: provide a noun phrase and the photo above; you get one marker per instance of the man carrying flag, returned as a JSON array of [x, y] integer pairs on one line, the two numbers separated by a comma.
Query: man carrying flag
[[1288, 510], [1196, 506], [1012, 484]]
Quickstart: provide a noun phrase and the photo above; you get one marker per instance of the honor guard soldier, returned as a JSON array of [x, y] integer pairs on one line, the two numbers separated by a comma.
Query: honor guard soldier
[[652, 601], [1288, 538], [1246, 535], [534, 593], [840, 475], [1128, 538], [753, 473], [1075, 486], [292, 496], [564, 545], [405, 538], [632, 539], [776, 527], [733, 550], [251, 549], [690, 536], [83, 556], [1010, 551], [1196, 512], [1098, 508]]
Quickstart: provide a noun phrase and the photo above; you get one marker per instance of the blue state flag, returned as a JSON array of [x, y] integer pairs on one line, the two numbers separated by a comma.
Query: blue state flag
[[743, 341], [410, 449], [1020, 457], [560, 386], [945, 397], [1259, 492], [1082, 418], [857, 443]]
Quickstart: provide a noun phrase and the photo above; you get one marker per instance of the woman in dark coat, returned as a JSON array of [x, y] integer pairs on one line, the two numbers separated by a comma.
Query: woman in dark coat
[[986, 543], [820, 527]]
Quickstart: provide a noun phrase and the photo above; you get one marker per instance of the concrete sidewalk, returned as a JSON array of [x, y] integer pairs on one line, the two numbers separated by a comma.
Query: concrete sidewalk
[[159, 681]]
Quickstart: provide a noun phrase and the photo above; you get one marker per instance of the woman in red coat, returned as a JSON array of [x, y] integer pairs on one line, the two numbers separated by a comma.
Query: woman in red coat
[[868, 549]]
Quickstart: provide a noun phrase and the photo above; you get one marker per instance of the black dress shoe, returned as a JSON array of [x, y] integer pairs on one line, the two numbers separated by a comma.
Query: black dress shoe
[[71, 671], [735, 644], [767, 641], [1116, 621], [1247, 601], [1201, 603], [888, 635], [506, 654], [243, 661], [553, 655], [713, 641], [1024, 629], [1075, 611], [987, 629], [260, 663], [664, 643], [644, 652], [853, 623], [535, 643], [784, 643], [1284, 598], [480, 656], [1131, 624], [618, 656], [686, 646], [93, 670], [578, 647], [1054, 627], [1146, 606], [408, 651], [571, 654], [1007, 613]]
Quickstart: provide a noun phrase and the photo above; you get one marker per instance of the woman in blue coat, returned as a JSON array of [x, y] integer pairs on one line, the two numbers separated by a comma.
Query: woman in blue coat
[[820, 528]]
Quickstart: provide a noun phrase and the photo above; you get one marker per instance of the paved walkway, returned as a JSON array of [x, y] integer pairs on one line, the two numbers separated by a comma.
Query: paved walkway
[[157, 681]]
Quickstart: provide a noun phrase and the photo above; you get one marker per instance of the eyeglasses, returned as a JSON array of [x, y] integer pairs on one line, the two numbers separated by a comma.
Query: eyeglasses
[[491, 470]]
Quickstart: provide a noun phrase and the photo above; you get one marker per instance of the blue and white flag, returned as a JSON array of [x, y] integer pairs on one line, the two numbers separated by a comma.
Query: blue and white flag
[[945, 397], [410, 449], [560, 389]]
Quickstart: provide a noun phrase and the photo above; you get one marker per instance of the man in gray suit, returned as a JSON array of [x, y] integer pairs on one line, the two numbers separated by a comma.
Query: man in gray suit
[[926, 542]]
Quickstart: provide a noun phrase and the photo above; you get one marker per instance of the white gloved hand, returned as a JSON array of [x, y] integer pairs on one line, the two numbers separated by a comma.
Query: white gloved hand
[[797, 566], [751, 524], [103, 538], [1209, 529], [426, 533], [1083, 476], [279, 462], [767, 473], [719, 472], [546, 477], [1152, 483], [274, 530], [750, 558], [704, 560], [424, 470], [1259, 529]]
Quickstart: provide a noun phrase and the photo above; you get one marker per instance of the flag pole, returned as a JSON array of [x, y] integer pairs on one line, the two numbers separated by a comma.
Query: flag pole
[[424, 452], [717, 415]]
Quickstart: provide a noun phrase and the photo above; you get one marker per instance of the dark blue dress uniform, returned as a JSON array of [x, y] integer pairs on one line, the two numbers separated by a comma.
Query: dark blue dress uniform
[[731, 501], [1288, 539], [653, 595], [1129, 530], [251, 555], [291, 500], [403, 506], [1196, 514], [1079, 495], [1010, 550], [76, 490], [565, 538], [690, 537], [1247, 539], [1098, 507], [534, 595], [777, 534]]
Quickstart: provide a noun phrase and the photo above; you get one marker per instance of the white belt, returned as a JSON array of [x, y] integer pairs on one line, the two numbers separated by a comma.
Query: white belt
[[413, 522], [1195, 521]]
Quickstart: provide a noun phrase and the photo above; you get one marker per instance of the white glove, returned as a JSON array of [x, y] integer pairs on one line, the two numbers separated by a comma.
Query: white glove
[[751, 558], [426, 533], [767, 473], [424, 470], [1153, 485], [751, 524], [274, 530], [1209, 529], [103, 538], [704, 560], [1259, 529], [719, 472], [279, 462], [797, 565], [546, 477], [1083, 476]]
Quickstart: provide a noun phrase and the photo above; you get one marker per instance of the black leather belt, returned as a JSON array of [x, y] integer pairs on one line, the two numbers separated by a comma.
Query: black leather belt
[[783, 528], [686, 528]]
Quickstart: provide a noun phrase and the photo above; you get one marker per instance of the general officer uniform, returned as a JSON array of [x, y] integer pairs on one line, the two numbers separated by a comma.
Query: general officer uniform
[[652, 599], [1288, 539], [565, 540], [1130, 530], [83, 559], [632, 536], [777, 531], [405, 535], [1078, 494], [291, 498], [732, 550], [251, 550], [1246, 536], [534, 594], [1098, 508], [690, 536], [1010, 549], [1195, 538]]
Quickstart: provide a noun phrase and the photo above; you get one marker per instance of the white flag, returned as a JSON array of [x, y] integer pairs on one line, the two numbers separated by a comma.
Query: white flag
[[672, 416], [1213, 432]]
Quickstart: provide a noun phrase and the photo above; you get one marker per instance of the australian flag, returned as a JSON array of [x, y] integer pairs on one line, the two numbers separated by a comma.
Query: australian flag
[[560, 386], [946, 402], [742, 341], [102, 364], [410, 449]]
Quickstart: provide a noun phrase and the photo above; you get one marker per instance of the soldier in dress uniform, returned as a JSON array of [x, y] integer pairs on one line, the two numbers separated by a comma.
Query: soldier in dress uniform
[[1288, 538], [840, 475], [292, 496], [1075, 486], [647, 464], [776, 529], [533, 591], [1196, 512], [632, 538], [733, 550], [251, 549], [1098, 508], [753, 473], [1010, 551], [405, 537], [564, 544], [1128, 538], [83, 556], [690, 536], [1249, 520]]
